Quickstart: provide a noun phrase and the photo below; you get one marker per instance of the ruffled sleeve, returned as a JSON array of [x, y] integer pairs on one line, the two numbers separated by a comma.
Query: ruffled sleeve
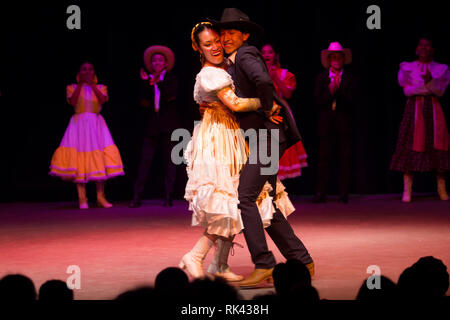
[[404, 74], [104, 90], [289, 80], [214, 79], [70, 89], [210, 80], [408, 80], [441, 79]]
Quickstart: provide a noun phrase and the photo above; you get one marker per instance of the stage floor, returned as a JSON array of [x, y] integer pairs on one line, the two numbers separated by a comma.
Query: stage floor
[[120, 248]]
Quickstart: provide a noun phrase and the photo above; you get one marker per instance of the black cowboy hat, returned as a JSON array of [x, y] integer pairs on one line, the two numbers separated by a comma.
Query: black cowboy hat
[[233, 18]]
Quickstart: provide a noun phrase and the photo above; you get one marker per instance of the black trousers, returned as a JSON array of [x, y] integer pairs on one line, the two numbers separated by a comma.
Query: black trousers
[[251, 183], [149, 147], [326, 146]]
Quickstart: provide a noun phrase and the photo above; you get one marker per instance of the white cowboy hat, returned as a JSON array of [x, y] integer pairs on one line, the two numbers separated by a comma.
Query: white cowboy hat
[[335, 47], [165, 51]]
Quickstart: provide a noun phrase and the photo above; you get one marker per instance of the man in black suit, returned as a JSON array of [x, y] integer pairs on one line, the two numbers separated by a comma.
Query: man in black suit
[[158, 99], [251, 79], [335, 96]]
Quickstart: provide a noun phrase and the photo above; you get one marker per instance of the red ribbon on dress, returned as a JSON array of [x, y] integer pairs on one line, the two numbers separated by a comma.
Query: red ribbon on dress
[[440, 131]]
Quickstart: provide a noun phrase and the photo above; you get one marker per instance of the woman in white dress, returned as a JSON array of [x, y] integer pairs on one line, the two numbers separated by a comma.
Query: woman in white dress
[[215, 156]]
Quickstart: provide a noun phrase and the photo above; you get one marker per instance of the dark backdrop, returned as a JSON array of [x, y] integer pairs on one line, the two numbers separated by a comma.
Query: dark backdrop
[[40, 56]]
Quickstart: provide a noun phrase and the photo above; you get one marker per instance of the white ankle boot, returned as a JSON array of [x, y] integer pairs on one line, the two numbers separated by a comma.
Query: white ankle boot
[[219, 265], [441, 187], [407, 187], [193, 260]]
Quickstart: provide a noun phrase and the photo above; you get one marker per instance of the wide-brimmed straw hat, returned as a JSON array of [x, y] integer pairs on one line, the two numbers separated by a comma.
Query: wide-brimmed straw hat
[[233, 18], [335, 47], [165, 51]]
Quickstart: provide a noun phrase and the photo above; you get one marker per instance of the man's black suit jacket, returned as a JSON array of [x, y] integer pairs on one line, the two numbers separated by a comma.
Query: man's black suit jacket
[[340, 120], [252, 80], [167, 118]]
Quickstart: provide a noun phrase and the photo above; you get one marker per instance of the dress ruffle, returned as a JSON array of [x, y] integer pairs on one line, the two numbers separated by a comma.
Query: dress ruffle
[[213, 175], [208, 81], [87, 151], [214, 156], [265, 203], [292, 162]]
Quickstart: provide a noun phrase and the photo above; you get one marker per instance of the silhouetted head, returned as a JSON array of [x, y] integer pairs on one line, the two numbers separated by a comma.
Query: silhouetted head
[[17, 288], [141, 295], [211, 291], [171, 279], [289, 275], [428, 278], [304, 294], [386, 292], [55, 290]]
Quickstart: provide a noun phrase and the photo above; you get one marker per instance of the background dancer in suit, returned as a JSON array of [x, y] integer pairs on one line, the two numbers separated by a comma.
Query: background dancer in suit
[[335, 96], [159, 91]]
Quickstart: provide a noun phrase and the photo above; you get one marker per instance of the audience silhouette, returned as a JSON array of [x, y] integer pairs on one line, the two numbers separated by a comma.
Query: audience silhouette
[[387, 292], [55, 291], [426, 280], [17, 287]]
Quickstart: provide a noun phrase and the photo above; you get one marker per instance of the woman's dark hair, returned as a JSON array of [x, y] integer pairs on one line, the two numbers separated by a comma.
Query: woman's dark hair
[[202, 27], [272, 45], [83, 62], [428, 37]]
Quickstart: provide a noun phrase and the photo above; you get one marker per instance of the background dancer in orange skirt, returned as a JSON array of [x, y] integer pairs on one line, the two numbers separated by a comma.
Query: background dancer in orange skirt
[[87, 151]]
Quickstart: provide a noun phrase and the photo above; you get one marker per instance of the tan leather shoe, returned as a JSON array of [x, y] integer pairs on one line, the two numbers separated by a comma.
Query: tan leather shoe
[[228, 275], [310, 267], [257, 277]]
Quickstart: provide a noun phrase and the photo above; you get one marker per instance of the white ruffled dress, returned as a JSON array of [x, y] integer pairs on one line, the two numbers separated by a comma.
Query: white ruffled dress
[[215, 156]]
